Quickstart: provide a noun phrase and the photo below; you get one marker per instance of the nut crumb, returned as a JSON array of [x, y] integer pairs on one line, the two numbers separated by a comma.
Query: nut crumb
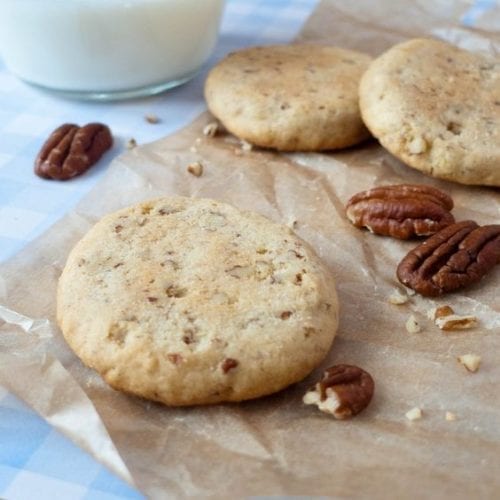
[[456, 322], [445, 318], [151, 118], [397, 298], [450, 417], [246, 146], [131, 143], [417, 146], [414, 414], [412, 325], [470, 361], [228, 364], [211, 129], [195, 168], [439, 312]]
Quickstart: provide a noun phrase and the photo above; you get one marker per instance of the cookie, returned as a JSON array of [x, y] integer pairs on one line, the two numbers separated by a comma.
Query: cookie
[[192, 301], [437, 108], [290, 97]]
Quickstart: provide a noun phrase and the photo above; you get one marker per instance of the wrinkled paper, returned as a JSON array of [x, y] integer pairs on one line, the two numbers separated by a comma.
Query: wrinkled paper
[[275, 445]]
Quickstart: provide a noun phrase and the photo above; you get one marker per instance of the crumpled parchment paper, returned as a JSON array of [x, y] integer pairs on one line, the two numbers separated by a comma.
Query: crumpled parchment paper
[[276, 445]]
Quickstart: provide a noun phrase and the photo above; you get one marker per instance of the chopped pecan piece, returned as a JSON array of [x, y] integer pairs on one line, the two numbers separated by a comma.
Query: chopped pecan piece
[[71, 150], [445, 318], [402, 211], [229, 364], [470, 361], [344, 391], [457, 256], [414, 414]]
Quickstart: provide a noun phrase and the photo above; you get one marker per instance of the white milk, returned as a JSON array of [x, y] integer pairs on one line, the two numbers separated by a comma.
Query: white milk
[[90, 46]]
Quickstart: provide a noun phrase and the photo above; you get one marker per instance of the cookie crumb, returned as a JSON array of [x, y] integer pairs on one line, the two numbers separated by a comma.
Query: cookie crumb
[[246, 146], [412, 325], [292, 223], [211, 129], [151, 118], [397, 298], [450, 416], [414, 414], [195, 168], [470, 361], [131, 143]]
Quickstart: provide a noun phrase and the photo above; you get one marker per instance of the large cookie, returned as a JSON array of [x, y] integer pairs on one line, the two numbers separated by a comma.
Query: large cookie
[[290, 97], [437, 108], [192, 301]]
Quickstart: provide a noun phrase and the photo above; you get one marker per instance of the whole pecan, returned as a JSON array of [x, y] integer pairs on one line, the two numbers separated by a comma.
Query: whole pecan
[[71, 150], [457, 256], [402, 211], [344, 391]]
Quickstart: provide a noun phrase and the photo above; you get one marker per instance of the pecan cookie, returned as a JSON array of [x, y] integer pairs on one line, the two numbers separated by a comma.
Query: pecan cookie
[[192, 301], [290, 97], [437, 108]]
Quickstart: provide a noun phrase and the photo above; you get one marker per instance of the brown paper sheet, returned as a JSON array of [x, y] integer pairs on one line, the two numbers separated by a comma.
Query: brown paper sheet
[[275, 445]]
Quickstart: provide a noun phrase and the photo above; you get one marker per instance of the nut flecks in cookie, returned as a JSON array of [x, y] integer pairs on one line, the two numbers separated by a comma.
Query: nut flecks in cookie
[[189, 298], [299, 97], [415, 99]]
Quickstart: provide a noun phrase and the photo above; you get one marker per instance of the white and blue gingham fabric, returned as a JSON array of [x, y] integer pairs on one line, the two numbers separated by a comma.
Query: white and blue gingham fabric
[[36, 462]]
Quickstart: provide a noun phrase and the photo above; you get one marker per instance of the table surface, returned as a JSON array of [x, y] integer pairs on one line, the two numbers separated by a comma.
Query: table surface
[[33, 456]]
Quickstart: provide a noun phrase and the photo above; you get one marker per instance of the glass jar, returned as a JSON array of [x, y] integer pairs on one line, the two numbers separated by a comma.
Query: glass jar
[[107, 49]]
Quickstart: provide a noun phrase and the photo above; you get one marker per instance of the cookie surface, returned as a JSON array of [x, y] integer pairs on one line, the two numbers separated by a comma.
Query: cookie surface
[[437, 108], [290, 97], [192, 301]]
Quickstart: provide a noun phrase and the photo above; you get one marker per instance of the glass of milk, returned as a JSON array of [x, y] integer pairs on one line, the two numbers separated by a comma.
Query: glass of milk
[[107, 49]]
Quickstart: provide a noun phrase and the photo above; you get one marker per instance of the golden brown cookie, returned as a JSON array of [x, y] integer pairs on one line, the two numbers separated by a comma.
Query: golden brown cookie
[[437, 108], [290, 97], [192, 301]]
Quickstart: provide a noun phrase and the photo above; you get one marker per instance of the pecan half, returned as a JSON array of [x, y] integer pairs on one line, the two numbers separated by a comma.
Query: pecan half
[[71, 150], [402, 211], [344, 391], [457, 256]]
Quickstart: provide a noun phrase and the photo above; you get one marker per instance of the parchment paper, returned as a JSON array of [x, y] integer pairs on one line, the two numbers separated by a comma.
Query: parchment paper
[[275, 445]]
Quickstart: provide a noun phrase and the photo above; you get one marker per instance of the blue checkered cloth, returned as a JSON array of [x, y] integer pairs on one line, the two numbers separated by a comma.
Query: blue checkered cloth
[[37, 462]]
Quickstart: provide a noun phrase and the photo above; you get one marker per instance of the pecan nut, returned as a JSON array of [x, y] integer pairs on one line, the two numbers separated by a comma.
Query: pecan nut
[[457, 256], [71, 150], [402, 211], [344, 391]]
